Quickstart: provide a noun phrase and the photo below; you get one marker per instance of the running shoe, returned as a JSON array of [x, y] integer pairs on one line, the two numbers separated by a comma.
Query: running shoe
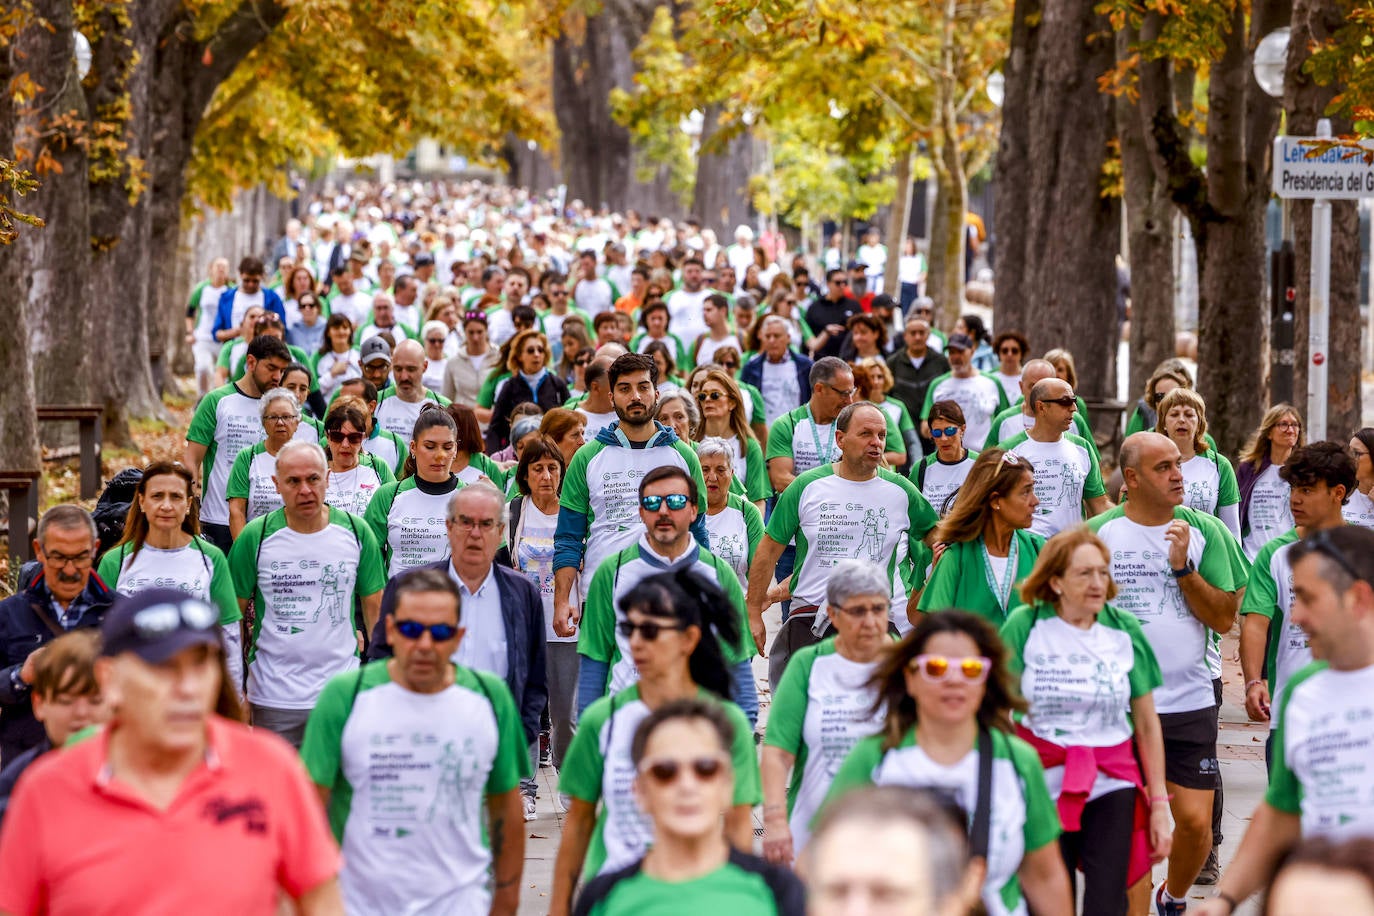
[[1171, 908], [529, 808]]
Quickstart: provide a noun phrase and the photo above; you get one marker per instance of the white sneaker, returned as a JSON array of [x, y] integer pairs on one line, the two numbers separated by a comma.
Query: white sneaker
[[563, 801], [529, 808]]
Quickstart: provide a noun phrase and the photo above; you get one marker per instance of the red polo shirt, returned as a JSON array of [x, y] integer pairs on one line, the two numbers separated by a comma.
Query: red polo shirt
[[246, 824]]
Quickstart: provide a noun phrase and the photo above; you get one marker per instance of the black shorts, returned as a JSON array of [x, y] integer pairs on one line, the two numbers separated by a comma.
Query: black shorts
[[1190, 748]]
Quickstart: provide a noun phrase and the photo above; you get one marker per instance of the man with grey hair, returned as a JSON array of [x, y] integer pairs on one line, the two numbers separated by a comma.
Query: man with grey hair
[[61, 597], [780, 374], [383, 318], [1068, 481], [502, 612], [301, 567]]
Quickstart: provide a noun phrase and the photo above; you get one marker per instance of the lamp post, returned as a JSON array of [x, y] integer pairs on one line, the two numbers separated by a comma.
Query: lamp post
[[1270, 60]]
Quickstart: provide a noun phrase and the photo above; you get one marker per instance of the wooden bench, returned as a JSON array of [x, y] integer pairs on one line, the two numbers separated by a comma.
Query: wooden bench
[[88, 419], [22, 489]]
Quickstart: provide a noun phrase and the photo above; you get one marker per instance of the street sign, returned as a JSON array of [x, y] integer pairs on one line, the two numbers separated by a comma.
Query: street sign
[[1338, 173]]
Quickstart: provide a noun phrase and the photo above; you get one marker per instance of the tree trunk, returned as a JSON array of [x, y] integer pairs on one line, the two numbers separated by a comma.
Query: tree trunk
[[1060, 237], [1149, 220], [18, 427], [945, 265], [56, 260], [1305, 101], [721, 196], [896, 226]]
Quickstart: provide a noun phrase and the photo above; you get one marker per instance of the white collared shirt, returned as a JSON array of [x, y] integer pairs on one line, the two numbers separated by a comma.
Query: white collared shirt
[[484, 645]]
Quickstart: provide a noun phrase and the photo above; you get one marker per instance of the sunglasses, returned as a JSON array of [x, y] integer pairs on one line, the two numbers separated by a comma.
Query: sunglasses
[[1321, 542], [414, 629], [161, 619], [648, 629], [676, 502], [705, 396], [936, 433], [1010, 351], [338, 436], [434, 340], [667, 771], [1062, 402], [938, 669]]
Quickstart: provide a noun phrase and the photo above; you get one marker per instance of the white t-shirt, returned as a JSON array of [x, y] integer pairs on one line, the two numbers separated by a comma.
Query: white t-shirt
[[1359, 510], [534, 558], [324, 370], [397, 416], [208, 311], [707, 351], [352, 490], [596, 422], [684, 312], [1270, 515], [780, 389], [730, 540], [242, 303], [226, 422], [1065, 475], [979, 397], [355, 307], [941, 481], [1011, 384]]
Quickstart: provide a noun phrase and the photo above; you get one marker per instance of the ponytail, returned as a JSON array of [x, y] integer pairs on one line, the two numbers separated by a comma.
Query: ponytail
[[693, 600]]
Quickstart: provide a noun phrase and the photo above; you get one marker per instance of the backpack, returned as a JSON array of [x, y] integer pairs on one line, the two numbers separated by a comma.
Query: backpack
[[113, 507]]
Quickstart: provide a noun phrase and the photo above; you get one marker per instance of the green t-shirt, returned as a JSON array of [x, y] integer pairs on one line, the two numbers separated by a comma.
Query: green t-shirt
[[250, 479], [729, 889], [597, 769], [199, 569], [1066, 475], [226, 422], [809, 444], [963, 580], [409, 774], [1269, 594]]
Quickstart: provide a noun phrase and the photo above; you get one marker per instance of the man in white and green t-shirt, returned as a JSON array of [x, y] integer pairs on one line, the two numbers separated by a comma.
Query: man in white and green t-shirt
[[1322, 781], [1181, 573], [980, 397], [226, 421], [399, 408], [301, 567], [1068, 481], [599, 507], [1019, 417], [411, 752], [1320, 477], [851, 508]]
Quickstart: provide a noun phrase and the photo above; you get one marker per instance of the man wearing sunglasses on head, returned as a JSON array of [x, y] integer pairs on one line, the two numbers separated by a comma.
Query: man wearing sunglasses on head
[[668, 508], [1068, 482], [1019, 417], [408, 751]]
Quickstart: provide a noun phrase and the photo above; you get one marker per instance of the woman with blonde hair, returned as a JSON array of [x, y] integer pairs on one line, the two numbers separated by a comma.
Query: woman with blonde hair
[[530, 380], [1168, 376], [1264, 510], [1209, 481], [874, 380], [723, 416]]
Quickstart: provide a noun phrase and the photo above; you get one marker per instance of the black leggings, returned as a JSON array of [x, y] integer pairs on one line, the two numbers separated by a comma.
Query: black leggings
[[1102, 849]]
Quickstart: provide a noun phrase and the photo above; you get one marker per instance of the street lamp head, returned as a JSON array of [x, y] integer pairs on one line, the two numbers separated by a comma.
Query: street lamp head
[[1271, 59], [81, 49], [996, 88]]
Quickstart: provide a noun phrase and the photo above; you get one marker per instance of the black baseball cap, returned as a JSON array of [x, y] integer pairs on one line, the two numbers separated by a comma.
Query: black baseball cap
[[157, 624]]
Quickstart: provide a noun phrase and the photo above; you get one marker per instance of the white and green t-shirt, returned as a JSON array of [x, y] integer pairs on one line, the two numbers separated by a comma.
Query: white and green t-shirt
[[1013, 421], [226, 422], [251, 479], [1269, 515], [939, 482], [735, 534], [1024, 818], [409, 775], [979, 397], [602, 484], [597, 768], [199, 569], [1209, 485], [834, 519], [302, 586], [353, 490], [809, 444], [533, 555], [822, 708], [1359, 510], [206, 299], [1324, 752], [1079, 683], [407, 520], [388, 448], [1147, 589], [1066, 474], [1270, 594], [598, 637], [749, 467], [398, 417]]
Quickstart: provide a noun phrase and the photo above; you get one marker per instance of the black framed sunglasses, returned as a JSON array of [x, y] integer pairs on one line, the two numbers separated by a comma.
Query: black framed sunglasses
[[1062, 402], [649, 629], [667, 770], [414, 629]]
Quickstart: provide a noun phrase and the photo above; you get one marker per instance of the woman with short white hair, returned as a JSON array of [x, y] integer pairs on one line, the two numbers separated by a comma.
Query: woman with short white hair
[[251, 491], [734, 524]]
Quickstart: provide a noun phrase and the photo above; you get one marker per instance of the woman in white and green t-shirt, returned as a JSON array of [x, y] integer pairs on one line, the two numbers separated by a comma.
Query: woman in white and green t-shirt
[[1088, 673], [940, 474], [824, 705], [162, 548], [354, 475], [1209, 481], [251, 491], [407, 516], [1359, 509], [734, 524], [949, 698], [669, 619]]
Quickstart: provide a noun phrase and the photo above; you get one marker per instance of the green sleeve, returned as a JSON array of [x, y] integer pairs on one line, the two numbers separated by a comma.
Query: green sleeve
[[904, 425], [512, 761], [371, 569], [202, 428], [753, 525], [857, 769], [1261, 592], [1042, 817], [378, 508], [895, 442], [921, 516], [783, 523], [780, 437], [1228, 494], [942, 586], [383, 470], [787, 715], [1136, 424], [227, 348], [729, 583], [574, 496], [486, 395], [490, 468], [745, 759], [1093, 486], [238, 486], [402, 452], [243, 557], [193, 304], [760, 413], [221, 585], [583, 765], [1223, 564], [1003, 403], [737, 488], [110, 564], [1285, 792], [322, 747], [689, 455], [1014, 632], [757, 485], [596, 633]]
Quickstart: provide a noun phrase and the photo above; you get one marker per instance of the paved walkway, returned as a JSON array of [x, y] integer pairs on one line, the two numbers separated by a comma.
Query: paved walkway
[[1241, 750]]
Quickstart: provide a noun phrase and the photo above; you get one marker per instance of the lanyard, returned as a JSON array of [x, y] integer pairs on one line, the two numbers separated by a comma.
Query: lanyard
[[826, 455], [1000, 591]]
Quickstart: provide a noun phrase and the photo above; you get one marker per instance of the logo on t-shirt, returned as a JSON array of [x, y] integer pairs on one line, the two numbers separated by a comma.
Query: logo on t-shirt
[[251, 811]]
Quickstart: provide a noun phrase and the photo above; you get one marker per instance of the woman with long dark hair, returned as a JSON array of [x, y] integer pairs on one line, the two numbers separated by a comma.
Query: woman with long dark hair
[[676, 624], [1359, 509], [530, 380], [400, 512], [338, 360]]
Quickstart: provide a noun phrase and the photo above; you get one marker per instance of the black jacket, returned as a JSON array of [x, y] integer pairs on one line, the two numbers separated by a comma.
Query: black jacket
[[910, 384], [522, 610], [553, 392], [27, 621]]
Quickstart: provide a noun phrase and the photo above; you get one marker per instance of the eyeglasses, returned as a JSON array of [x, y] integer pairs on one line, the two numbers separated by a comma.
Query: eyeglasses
[[161, 619], [705, 396], [486, 525], [676, 502], [1062, 402], [950, 431], [843, 392], [876, 609], [666, 771], [279, 417], [434, 340], [1289, 424], [80, 561], [939, 669], [338, 436], [414, 629], [648, 629], [1010, 351], [582, 362], [308, 305], [560, 293]]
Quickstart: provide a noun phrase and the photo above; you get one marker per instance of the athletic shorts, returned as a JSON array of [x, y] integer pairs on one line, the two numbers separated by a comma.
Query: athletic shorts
[[206, 353], [1190, 748]]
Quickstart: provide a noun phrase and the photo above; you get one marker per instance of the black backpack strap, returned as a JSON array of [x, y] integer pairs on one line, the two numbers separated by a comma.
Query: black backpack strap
[[981, 831]]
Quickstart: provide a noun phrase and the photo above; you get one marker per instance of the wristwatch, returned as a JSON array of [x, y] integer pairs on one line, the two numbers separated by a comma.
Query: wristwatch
[[1188, 569], [16, 681]]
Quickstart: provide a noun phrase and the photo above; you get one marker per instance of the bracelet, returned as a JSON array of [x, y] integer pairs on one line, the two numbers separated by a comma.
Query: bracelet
[[1159, 798], [1249, 684], [1230, 901]]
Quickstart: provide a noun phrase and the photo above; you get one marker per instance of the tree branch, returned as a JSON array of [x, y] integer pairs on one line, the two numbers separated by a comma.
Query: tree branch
[[243, 31]]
